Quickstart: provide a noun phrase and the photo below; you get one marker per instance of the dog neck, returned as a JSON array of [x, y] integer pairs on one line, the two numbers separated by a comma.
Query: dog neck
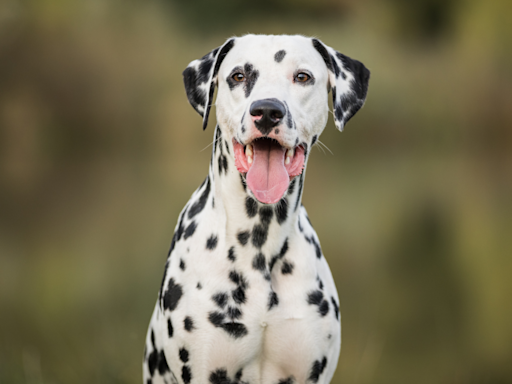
[[245, 220]]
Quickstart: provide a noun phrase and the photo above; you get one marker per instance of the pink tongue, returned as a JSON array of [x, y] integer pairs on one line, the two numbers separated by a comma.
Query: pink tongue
[[267, 178]]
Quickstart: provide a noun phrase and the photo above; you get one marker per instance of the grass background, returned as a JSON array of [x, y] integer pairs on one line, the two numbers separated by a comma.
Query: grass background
[[99, 151]]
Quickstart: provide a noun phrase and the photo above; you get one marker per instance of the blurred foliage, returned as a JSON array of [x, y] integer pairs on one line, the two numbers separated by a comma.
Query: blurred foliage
[[99, 151]]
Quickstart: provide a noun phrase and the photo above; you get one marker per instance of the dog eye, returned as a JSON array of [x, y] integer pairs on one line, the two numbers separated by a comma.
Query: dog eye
[[238, 77], [302, 77]]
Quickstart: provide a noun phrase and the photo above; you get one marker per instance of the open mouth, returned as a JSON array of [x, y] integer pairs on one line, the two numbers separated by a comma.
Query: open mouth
[[268, 166]]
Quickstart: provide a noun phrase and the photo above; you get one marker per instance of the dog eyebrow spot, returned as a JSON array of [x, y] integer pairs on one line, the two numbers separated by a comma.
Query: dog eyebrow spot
[[279, 56], [251, 75]]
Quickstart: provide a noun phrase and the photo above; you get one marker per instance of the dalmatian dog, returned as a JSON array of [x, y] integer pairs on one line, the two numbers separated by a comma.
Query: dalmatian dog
[[247, 296]]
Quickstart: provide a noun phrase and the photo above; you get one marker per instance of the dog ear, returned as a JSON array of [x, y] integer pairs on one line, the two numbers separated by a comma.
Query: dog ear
[[348, 79], [200, 78]]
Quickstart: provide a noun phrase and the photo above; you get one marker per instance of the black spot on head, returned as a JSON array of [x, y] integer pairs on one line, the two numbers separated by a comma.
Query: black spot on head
[[259, 235], [186, 374], [272, 300], [199, 205], [189, 231], [238, 375], [199, 286], [243, 237], [266, 214], [172, 295], [279, 56], [287, 268], [182, 265], [317, 369], [231, 254], [221, 299], [170, 329], [251, 76], [188, 324], [282, 209], [251, 206], [183, 355], [211, 243], [336, 308], [258, 262]]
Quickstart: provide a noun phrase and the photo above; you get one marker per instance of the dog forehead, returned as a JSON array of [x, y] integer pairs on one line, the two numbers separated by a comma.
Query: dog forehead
[[273, 51]]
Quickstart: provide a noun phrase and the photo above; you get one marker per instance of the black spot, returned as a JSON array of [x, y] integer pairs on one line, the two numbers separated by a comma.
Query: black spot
[[300, 226], [279, 56], [338, 112], [258, 262], [315, 138], [199, 205], [266, 214], [225, 163], [149, 381], [289, 120], [251, 75], [323, 308], [227, 147], [301, 181], [335, 66], [320, 285], [238, 375], [172, 295], [243, 237], [336, 308], [272, 300], [238, 279], [284, 248], [216, 318], [188, 324], [196, 96], [160, 294], [219, 376], [251, 206], [213, 202], [199, 286], [244, 184], [231, 254], [211, 243], [182, 265], [259, 235], [238, 295], [343, 75], [170, 329], [221, 299], [291, 188], [153, 361], [186, 374], [276, 131], [190, 230], [317, 369], [234, 313], [183, 355], [235, 330], [288, 380], [243, 128], [163, 367], [287, 268], [282, 210], [315, 297]]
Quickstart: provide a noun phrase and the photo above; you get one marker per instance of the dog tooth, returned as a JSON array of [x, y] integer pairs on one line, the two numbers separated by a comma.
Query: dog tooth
[[248, 150], [249, 159], [290, 152], [287, 160]]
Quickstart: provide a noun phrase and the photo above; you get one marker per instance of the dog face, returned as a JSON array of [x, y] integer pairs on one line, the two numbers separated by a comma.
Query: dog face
[[272, 102]]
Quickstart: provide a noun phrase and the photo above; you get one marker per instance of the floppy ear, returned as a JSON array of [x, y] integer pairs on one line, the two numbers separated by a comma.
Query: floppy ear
[[348, 79], [200, 78]]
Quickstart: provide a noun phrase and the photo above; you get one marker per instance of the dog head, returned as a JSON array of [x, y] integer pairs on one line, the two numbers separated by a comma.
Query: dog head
[[272, 102]]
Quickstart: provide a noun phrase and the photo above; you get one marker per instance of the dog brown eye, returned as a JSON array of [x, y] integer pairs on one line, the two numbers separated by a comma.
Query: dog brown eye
[[238, 77], [302, 77]]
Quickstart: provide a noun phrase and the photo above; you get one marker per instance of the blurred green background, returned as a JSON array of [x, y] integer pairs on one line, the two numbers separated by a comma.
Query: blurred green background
[[99, 151]]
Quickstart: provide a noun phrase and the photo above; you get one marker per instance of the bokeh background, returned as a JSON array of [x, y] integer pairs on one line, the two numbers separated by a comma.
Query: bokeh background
[[99, 151]]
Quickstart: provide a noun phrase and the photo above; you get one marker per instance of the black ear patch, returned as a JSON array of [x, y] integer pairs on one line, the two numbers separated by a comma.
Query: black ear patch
[[348, 80], [200, 78]]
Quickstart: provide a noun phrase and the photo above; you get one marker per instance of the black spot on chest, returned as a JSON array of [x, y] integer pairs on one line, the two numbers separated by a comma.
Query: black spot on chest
[[183, 355], [251, 207], [243, 237], [231, 254], [317, 369], [279, 56], [199, 205], [282, 210], [317, 298], [266, 214], [172, 296], [211, 243], [188, 324]]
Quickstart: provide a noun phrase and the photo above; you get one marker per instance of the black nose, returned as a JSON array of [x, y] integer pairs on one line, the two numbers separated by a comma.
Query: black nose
[[271, 111]]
